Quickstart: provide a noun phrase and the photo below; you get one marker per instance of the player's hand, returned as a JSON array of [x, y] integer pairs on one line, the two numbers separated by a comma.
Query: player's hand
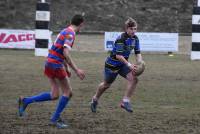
[[133, 67], [80, 73]]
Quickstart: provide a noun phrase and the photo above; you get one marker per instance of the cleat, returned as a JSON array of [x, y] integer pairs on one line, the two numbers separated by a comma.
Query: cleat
[[21, 106], [126, 106], [93, 105], [59, 124]]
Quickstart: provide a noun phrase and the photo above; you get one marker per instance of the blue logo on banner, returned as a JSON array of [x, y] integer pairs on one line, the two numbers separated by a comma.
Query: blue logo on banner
[[109, 44]]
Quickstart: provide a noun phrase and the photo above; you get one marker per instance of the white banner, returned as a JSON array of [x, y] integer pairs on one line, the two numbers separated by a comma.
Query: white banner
[[155, 42], [23, 39]]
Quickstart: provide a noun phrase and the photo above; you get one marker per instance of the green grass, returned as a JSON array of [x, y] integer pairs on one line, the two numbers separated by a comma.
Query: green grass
[[166, 99]]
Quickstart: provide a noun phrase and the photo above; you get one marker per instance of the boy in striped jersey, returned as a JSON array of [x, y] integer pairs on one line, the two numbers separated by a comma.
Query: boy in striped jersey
[[56, 69], [117, 63]]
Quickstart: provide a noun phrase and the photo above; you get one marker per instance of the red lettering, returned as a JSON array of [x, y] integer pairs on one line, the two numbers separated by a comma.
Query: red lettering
[[5, 38], [21, 37], [29, 37], [2, 36], [11, 38]]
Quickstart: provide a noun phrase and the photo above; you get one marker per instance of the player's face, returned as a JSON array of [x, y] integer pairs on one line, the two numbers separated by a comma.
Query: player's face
[[131, 31]]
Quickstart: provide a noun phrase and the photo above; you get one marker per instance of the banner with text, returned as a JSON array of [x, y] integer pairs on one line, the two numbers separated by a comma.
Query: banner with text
[[152, 42], [23, 39]]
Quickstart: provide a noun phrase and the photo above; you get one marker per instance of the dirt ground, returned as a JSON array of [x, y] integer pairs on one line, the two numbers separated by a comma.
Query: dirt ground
[[166, 100]]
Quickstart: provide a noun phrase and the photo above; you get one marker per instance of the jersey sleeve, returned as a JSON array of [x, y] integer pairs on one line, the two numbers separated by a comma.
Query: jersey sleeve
[[69, 40], [137, 46]]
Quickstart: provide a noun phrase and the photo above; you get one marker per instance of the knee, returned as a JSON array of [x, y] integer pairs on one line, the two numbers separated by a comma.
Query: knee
[[132, 79]]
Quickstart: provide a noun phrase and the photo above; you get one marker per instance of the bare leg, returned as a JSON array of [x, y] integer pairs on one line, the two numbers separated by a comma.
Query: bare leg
[[131, 85], [54, 88], [44, 96], [66, 88], [101, 89], [63, 101]]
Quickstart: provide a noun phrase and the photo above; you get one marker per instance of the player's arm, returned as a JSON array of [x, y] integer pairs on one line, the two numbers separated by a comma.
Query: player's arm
[[122, 59], [65, 64], [79, 72], [119, 45], [138, 58], [138, 54], [67, 68]]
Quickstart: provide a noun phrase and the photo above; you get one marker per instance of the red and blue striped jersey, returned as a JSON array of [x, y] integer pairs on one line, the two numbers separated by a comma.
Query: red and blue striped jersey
[[55, 57]]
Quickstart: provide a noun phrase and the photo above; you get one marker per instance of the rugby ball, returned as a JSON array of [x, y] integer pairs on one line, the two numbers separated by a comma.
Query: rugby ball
[[140, 68]]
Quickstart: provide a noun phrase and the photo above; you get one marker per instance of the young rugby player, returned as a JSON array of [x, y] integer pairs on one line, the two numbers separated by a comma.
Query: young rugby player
[[56, 69], [117, 63]]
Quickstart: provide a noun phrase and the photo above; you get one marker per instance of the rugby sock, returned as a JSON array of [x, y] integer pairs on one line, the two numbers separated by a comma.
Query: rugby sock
[[60, 107], [94, 98], [45, 96], [126, 100]]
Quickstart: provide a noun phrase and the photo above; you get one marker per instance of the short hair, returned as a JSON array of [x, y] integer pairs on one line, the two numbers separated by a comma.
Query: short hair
[[130, 22], [77, 20]]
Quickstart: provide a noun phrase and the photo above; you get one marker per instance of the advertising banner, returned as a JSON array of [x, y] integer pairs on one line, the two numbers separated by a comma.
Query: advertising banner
[[22, 39], [154, 42]]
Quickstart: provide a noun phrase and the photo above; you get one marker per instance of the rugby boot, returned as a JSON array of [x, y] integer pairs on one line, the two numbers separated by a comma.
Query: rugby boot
[[93, 105], [21, 106], [126, 106]]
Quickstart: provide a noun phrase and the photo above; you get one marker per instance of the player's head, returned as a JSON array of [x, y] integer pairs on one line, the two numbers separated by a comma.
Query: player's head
[[77, 20], [130, 26]]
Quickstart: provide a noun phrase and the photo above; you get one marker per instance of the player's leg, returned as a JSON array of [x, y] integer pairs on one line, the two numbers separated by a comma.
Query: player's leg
[[131, 85], [101, 89], [63, 101], [109, 77], [44, 96]]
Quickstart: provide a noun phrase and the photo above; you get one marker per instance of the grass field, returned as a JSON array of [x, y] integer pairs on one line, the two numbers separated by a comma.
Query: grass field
[[166, 101]]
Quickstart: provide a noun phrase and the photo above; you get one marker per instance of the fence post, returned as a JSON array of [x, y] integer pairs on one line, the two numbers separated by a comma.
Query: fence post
[[42, 33], [195, 53]]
